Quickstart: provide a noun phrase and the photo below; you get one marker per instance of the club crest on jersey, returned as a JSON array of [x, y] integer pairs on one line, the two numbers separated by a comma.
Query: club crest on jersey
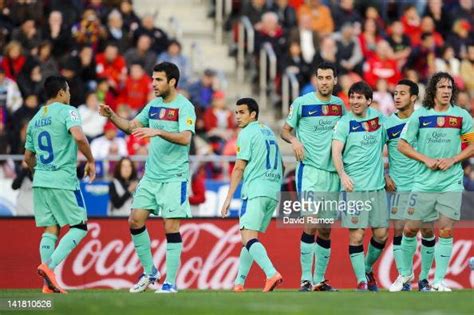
[[453, 121], [411, 211], [325, 109], [365, 125], [355, 220], [394, 210], [440, 121], [162, 113]]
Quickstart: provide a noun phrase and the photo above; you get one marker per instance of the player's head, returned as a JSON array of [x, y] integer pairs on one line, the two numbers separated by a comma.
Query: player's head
[[165, 78], [405, 94], [246, 111], [441, 90], [326, 78], [56, 88], [360, 97]]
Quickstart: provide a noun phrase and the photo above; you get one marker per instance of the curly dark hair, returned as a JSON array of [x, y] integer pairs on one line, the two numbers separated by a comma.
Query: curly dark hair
[[429, 100]]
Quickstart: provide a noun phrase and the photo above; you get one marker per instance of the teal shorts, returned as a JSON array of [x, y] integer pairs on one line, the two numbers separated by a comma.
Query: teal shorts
[[427, 206], [365, 209], [256, 213], [168, 198], [58, 207], [399, 204], [320, 189]]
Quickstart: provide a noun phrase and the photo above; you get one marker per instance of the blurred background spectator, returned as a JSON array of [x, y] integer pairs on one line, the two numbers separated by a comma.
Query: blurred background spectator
[[122, 187]]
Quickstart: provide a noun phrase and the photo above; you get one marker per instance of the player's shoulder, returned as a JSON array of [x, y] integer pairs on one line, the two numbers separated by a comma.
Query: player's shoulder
[[460, 111], [336, 100], [184, 102]]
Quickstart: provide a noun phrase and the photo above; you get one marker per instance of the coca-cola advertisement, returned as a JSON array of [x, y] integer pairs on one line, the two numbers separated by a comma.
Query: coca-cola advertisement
[[106, 257]]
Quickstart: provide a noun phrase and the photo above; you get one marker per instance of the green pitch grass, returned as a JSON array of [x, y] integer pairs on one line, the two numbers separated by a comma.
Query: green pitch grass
[[252, 302]]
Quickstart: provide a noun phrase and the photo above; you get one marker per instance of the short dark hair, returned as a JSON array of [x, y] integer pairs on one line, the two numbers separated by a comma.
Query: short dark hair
[[251, 104], [170, 69], [361, 87], [53, 84], [412, 85], [325, 66], [430, 93]]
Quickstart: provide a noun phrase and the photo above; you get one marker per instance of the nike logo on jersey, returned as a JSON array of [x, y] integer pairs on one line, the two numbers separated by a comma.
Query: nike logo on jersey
[[355, 128], [395, 134], [153, 114], [313, 112], [426, 123], [444, 256]]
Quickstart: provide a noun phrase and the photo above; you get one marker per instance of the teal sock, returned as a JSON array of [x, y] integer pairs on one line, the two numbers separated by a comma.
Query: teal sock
[[397, 253], [427, 256], [174, 247], [373, 253], [66, 245], [322, 254], [356, 254], [306, 256], [442, 253], [408, 251], [259, 254], [142, 243], [47, 244], [245, 262]]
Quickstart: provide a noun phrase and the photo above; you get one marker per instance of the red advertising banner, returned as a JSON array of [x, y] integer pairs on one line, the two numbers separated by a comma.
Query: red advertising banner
[[106, 257]]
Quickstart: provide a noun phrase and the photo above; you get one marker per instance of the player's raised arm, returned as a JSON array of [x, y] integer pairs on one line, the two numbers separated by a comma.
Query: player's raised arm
[[182, 138], [127, 126], [236, 177], [83, 146], [287, 135]]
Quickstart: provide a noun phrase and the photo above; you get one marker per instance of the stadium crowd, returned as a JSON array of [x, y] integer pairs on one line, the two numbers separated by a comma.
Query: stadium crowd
[[107, 52]]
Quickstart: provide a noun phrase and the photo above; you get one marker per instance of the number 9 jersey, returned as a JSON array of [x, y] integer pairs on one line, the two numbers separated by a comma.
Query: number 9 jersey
[[258, 146], [55, 149]]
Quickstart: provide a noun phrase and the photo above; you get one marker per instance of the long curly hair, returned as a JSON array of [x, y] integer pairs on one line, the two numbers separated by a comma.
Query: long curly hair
[[429, 99]]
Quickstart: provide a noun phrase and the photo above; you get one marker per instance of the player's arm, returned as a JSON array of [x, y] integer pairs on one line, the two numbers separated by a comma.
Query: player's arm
[[337, 147], [405, 148], [30, 159], [127, 126], [236, 177], [287, 135], [181, 138], [83, 146]]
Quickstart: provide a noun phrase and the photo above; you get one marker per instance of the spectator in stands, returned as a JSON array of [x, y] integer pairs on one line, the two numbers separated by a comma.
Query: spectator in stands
[[92, 122], [122, 187], [30, 80], [460, 37], [447, 62], [23, 182], [465, 11], [427, 26], [70, 69], [382, 66], [99, 8], [321, 18], [28, 35], [307, 38], [116, 32], [197, 193], [138, 90], [131, 21], [174, 54], [295, 62], [48, 64], [13, 60], [159, 39], [345, 83], [345, 13], [286, 14], [271, 32], [439, 15], [422, 57], [111, 65], [383, 96], [412, 24], [17, 121], [104, 94], [349, 53], [400, 43], [468, 179], [254, 9], [218, 119], [467, 69], [89, 30], [108, 144], [142, 53], [10, 96], [87, 67], [328, 50], [57, 33], [200, 92], [369, 38], [463, 100], [23, 10], [371, 13]]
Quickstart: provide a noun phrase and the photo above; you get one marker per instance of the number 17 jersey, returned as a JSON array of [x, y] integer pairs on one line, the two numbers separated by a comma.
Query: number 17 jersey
[[55, 149]]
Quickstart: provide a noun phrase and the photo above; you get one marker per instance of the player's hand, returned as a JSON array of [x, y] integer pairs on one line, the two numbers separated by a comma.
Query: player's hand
[[390, 184], [432, 164], [225, 208], [89, 171], [105, 110], [347, 182], [444, 164], [298, 149], [141, 133]]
